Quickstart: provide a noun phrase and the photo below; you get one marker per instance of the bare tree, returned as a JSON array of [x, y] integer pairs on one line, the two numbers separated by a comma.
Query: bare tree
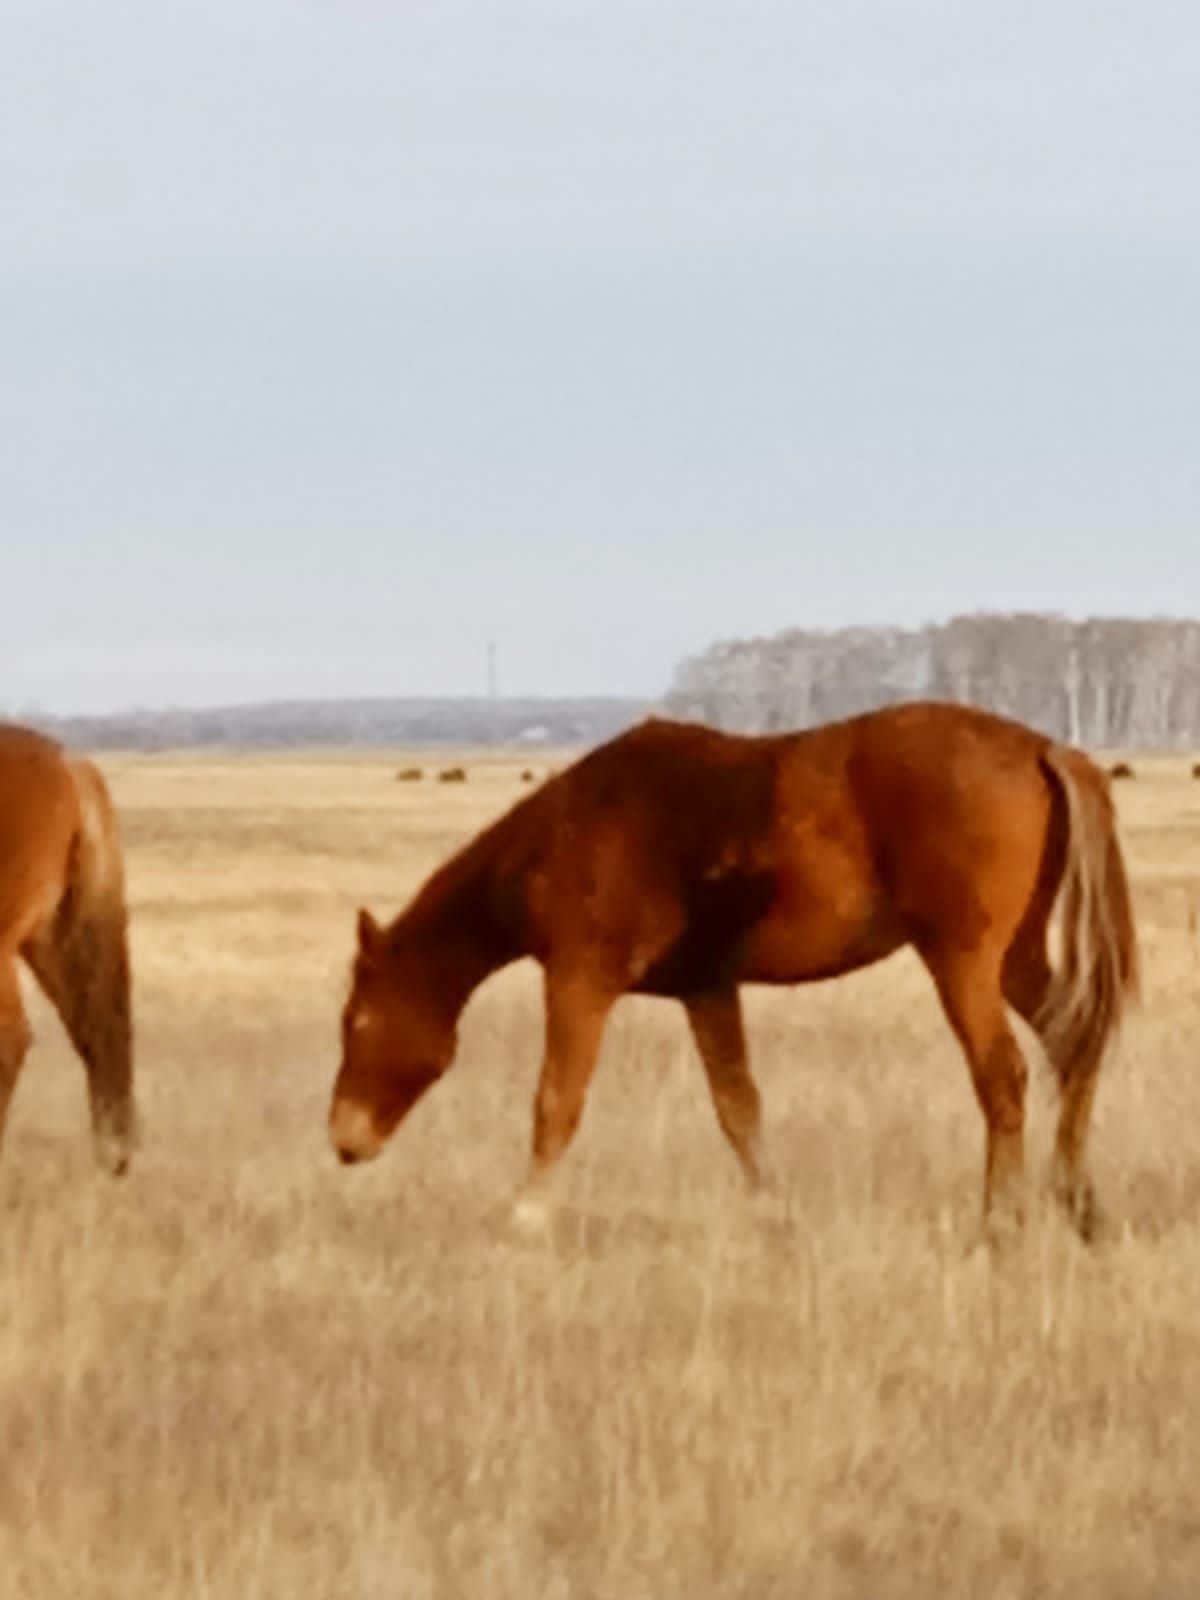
[[1103, 681]]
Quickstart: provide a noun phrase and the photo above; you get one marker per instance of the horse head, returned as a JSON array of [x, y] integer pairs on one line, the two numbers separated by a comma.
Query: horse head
[[397, 1041]]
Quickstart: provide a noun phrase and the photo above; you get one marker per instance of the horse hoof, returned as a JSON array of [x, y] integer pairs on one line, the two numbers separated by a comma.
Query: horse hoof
[[1088, 1220], [530, 1218], [112, 1158], [1002, 1230], [1082, 1210]]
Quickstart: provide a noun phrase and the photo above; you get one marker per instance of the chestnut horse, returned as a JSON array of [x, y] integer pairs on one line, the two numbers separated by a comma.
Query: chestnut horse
[[62, 909], [678, 861]]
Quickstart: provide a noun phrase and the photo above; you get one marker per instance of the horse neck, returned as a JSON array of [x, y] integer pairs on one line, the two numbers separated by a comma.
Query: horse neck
[[457, 931]]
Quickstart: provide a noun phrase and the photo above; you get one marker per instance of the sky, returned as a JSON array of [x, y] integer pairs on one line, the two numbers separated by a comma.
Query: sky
[[337, 340]]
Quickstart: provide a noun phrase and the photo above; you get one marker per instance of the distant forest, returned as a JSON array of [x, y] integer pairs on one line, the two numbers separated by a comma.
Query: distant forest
[[1104, 682], [1107, 682], [354, 724]]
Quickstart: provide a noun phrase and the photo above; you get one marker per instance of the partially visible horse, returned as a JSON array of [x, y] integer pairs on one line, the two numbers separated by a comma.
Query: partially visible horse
[[678, 861], [62, 909]]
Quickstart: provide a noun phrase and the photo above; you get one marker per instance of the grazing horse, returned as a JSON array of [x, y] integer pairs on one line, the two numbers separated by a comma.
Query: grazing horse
[[679, 861], [62, 909]]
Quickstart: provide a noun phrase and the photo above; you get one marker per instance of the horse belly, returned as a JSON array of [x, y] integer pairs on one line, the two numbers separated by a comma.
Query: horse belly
[[829, 916]]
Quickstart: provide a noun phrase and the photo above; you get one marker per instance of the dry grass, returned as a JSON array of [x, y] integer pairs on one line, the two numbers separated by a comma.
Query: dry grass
[[246, 1373]]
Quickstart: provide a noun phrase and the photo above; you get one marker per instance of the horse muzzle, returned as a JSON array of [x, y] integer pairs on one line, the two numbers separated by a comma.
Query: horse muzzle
[[354, 1133]]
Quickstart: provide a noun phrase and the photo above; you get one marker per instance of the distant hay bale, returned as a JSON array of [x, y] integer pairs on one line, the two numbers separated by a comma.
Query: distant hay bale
[[452, 775], [409, 775], [1121, 769]]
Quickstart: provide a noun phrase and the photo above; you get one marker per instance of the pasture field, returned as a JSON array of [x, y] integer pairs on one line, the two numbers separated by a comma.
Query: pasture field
[[245, 1374]]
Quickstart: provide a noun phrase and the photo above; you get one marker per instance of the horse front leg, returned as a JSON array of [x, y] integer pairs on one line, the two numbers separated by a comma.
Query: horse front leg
[[716, 1023], [577, 1009]]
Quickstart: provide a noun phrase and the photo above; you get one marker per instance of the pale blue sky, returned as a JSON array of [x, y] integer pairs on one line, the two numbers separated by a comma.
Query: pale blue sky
[[338, 338]]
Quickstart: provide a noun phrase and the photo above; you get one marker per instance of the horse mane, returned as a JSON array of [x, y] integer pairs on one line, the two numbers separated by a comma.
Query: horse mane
[[478, 892], [695, 804]]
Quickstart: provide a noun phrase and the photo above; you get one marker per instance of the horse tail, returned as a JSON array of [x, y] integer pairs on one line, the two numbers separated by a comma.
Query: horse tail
[[1098, 973], [97, 874], [87, 970]]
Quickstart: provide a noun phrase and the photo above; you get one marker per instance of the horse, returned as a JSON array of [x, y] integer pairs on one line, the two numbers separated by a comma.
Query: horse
[[678, 861], [62, 911]]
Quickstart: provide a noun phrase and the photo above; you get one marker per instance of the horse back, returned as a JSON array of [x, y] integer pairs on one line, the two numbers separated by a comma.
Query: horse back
[[688, 859], [659, 861]]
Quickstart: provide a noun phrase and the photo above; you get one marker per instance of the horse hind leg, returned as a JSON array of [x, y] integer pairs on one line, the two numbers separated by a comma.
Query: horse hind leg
[[1073, 1186], [15, 1037], [969, 985], [82, 966]]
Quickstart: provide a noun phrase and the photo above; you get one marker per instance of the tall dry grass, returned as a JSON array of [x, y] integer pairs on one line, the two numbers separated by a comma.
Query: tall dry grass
[[246, 1373]]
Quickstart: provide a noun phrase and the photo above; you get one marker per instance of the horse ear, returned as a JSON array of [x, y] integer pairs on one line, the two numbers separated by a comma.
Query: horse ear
[[370, 936]]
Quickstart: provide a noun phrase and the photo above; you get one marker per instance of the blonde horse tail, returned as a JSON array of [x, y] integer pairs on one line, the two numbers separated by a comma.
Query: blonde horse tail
[[1097, 977], [98, 868], [88, 970]]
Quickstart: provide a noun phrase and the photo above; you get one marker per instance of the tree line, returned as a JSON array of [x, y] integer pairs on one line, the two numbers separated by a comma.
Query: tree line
[[1106, 682], [1111, 681], [353, 724]]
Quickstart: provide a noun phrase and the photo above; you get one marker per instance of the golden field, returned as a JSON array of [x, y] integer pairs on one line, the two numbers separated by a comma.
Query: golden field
[[245, 1374]]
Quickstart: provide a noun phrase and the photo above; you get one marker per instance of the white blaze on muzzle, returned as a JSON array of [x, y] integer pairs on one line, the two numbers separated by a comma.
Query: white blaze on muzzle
[[353, 1131]]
